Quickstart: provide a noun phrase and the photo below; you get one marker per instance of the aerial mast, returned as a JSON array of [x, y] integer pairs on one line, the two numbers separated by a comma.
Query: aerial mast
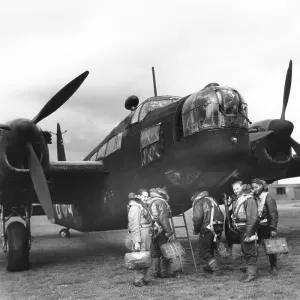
[[154, 82]]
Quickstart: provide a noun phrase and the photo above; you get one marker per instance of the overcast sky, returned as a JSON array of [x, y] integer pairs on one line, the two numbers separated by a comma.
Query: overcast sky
[[45, 44]]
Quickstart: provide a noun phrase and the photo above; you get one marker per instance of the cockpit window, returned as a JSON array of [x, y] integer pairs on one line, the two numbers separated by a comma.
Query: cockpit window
[[101, 152], [145, 110], [93, 157], [213, 107], [136, 115], [113, 144], [152, 104]]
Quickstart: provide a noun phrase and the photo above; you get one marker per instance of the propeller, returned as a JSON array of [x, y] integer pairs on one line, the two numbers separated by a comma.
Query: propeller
[[60, 98], [40, 183], [295, 145], [22, 127], [280, 127], [287, 88]]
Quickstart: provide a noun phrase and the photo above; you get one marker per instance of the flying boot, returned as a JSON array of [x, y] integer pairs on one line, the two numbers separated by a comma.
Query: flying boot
[[214, 265], [251, 273], [165, 264], [157, 271], [273, 265], [245, 276], [206, 268]]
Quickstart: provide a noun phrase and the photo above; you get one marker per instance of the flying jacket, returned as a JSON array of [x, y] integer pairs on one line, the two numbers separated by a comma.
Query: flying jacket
[[160, 212], [269, 213], [202, 212], [247, 214], [137, 218]]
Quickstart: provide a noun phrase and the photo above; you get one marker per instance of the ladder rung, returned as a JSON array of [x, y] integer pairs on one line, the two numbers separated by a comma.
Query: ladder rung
[[181, 237], [179, 226]]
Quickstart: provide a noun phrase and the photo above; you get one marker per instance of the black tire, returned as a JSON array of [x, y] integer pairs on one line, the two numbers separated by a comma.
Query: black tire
[[64, 233], [18, 248]]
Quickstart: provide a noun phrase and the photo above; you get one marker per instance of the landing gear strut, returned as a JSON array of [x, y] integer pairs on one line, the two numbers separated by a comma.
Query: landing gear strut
[[64, 233], [16, 239]]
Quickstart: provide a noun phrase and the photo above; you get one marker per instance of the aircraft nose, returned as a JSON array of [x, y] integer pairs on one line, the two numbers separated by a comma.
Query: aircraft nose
[[281, 128]]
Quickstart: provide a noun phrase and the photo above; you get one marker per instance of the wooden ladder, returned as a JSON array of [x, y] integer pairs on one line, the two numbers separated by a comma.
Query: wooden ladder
[[183, 237]]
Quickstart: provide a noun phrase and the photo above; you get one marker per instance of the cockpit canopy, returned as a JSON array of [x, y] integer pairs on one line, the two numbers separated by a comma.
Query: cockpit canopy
[[213, 107], [152, 104]]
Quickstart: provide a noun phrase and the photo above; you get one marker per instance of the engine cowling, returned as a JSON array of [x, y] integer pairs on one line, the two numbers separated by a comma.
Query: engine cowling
[[276, 146]]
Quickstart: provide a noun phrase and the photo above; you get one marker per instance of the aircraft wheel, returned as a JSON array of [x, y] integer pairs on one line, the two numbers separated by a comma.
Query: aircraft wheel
[[64, 233], [18, 248]]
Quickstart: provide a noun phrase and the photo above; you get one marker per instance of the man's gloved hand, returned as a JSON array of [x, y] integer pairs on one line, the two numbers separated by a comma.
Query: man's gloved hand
[[273, 233], [169, 234], [137, 247], [171, 238], [247, 239]]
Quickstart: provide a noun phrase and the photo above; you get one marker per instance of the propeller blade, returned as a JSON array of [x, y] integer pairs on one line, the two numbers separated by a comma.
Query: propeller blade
[[60, 98], [40, 183], [295, 145], [287, 88]]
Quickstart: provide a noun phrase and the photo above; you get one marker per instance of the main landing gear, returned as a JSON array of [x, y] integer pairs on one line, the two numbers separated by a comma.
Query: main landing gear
[[16, 239], [64, 233]]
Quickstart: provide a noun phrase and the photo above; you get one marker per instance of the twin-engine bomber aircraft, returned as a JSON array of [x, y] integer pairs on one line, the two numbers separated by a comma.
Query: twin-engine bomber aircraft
[[200, 141]]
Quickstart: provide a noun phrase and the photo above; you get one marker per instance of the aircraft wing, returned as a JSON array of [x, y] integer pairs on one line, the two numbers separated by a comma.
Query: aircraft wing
[[73, 181], [255, 136], [76, 166]]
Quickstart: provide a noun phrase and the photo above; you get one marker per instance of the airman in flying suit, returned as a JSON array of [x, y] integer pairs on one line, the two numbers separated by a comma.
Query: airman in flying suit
[[139, 226]]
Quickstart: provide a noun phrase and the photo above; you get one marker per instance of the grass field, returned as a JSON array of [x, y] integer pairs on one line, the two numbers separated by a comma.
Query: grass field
[[91, 266]]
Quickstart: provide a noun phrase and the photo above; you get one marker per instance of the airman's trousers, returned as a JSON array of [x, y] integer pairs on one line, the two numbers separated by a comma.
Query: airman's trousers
[[206, 245], [146, 240], [162, 266], [249, 249]]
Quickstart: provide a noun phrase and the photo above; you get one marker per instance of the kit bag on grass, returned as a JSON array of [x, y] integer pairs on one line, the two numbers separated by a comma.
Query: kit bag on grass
[[172, 250], [177, 264], [222, 250], [138, 260], [276, 246]]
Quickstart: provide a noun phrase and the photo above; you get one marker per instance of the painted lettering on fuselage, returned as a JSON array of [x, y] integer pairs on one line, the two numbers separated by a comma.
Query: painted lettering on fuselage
[[63, 210]]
